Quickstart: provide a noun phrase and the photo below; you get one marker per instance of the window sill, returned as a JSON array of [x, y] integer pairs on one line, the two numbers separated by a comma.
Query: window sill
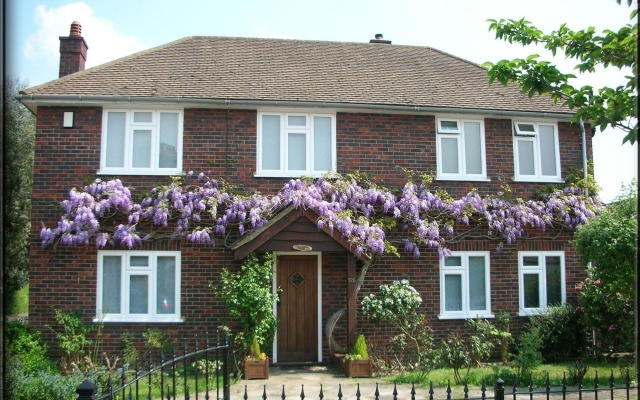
[[538, 180], [465, 179], [172, 172], [466, 316], [293, 175], [138, 321]]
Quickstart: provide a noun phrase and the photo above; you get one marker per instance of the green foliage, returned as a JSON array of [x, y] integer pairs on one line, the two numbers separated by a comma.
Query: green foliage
[[527, 357], [397, 306], [17, 301], [360, 349], [460, 353], [73, 338], [616, 107], [249, 298], [609, 241], [25, 350], [502, 326], [42, 385], [563, 335], [19, 135]]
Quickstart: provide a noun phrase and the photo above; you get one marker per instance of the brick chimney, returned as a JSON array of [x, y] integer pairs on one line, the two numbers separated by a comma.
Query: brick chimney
[[73, 51]]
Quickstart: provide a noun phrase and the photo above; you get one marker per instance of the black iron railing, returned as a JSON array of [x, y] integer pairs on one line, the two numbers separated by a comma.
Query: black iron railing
[[202, 373]]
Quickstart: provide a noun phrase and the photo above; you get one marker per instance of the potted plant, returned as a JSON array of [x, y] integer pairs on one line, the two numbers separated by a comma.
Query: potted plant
[[256, 363], [250, 299], [357, 363]]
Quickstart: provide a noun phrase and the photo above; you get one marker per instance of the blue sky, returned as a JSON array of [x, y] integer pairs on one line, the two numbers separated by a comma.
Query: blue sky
[[116, 28]]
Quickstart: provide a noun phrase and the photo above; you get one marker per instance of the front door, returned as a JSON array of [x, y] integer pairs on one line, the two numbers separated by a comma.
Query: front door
[[297, 276]]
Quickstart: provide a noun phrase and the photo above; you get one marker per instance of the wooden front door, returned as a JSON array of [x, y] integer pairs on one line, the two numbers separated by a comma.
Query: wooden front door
[[297, 276]]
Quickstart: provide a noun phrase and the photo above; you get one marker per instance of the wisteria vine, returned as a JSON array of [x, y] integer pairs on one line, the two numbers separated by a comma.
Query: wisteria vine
[[205, 212]]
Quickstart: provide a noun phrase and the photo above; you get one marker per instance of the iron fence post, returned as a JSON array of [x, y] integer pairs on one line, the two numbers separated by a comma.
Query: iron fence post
[[87, 390], [498, 390]]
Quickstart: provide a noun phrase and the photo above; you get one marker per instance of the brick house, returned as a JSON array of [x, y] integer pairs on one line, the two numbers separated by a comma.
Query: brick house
[[258, 112]]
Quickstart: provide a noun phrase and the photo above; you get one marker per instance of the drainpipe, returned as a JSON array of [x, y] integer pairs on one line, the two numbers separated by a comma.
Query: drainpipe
[[584, 157]]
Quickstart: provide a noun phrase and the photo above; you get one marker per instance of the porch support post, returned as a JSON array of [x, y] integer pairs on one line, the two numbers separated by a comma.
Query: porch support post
[[352, 294]]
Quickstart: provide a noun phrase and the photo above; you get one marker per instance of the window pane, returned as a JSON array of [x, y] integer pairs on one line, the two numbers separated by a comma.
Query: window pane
[[116, 125], [531, 290], [270, 142], [449, 147], [111, 283], [448, 126], [530, 261], [477, 295], [138, 261], [142, 117], [297, 120], [453, 293], [526, 128], [166, 290], [168, 140], [472, 148], [554, 281], [141, 157], [547, 151], [297, 143], [138, 294], [322, 144], [525, 157], [453, 261]]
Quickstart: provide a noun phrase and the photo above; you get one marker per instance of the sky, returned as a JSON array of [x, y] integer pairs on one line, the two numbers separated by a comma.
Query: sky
[[116, 28]]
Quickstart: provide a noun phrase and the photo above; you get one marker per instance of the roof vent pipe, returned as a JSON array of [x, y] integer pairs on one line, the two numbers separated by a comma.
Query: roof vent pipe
[[378, 39]]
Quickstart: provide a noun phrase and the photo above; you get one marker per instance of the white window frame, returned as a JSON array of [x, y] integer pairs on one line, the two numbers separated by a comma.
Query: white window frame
[[463, 272], [130, 126], [308, 131], [520, 135], [459, 135], [127, 271], [539, 270]]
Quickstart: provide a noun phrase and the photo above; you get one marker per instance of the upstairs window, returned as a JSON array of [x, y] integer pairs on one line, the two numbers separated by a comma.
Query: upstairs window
[[295, 144], [537, 156], [460, 148], [138, 286], [141, 142], [542, 281], [464, 285]]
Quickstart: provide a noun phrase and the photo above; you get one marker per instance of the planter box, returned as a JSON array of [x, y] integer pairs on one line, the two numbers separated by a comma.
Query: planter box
[[358, 368], [256, 369]]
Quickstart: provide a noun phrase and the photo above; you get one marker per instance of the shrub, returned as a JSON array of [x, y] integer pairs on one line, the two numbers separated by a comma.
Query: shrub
[[360, 349], [26, 351], [527, 356], [42, 385], [562, 332], [397, 306]]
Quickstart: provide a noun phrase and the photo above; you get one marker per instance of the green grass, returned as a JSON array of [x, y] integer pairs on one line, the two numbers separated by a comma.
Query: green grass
[[489, 374], [17, 302]]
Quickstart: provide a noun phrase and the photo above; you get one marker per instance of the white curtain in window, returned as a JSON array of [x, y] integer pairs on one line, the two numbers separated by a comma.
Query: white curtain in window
[[473, 148], [166, 283], [143, 117], [168, 140], [138, 294], [449, 147], [270, 142], [547, 150], [322, 144], [116, 132], [141, 157], [111, 284], [453, 292], [526, 164], [297, 153], [477, 295]]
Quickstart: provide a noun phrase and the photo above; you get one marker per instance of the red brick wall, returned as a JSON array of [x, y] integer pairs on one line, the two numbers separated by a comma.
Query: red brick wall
[[223, 143]]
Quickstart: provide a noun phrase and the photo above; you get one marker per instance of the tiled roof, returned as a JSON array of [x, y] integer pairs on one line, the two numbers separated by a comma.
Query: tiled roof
[[298, 70]]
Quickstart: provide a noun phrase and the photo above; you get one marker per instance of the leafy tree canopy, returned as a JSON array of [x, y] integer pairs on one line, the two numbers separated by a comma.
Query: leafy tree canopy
[[603, 107], [19, 135]]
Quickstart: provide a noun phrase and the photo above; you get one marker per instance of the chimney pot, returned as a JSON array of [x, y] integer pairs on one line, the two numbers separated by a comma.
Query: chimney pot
[[379, 39], [378, 35], [76, 29]]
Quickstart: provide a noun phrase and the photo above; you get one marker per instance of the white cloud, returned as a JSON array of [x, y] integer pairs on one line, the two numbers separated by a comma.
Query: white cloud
[[104, 41]]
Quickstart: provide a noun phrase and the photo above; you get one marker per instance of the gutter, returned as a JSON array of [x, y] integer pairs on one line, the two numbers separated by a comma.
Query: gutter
[[229, 103]]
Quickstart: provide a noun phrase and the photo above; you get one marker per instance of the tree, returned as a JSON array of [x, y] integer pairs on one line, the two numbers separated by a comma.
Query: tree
[[603, 107], [610, 242], [19, 136]]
